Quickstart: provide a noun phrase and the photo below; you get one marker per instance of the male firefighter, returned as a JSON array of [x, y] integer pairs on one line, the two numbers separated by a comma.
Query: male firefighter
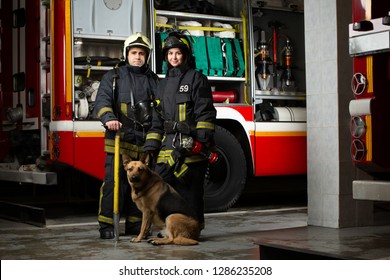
[[124, 102]]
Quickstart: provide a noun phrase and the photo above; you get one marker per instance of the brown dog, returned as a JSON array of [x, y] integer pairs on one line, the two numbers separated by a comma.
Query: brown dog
[[161, 206]]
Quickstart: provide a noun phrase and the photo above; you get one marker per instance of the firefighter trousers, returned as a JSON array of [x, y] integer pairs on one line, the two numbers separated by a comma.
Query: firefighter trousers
[[127, 207], [190, 185]]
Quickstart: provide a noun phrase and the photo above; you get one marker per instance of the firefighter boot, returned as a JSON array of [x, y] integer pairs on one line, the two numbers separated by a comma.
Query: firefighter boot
[[133, 228], [133, 219], [106, 231]]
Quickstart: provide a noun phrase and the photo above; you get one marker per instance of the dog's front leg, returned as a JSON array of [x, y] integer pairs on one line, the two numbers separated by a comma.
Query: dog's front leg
[[145, 226]]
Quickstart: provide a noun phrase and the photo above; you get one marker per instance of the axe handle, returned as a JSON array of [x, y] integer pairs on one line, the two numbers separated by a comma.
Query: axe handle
[[116, 185]]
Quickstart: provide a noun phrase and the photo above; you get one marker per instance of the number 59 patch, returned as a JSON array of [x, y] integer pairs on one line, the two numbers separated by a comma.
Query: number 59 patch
[[184, 88]]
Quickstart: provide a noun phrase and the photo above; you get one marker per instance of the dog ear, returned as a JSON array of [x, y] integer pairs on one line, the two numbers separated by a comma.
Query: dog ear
[[146, 158], [126, 159]]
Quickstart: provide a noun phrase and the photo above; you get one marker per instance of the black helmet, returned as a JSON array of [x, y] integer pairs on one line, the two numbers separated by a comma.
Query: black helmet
[[177, 40], [143, 112]]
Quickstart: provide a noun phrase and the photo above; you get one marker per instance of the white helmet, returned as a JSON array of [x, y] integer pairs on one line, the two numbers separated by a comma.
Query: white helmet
[[137, 40]]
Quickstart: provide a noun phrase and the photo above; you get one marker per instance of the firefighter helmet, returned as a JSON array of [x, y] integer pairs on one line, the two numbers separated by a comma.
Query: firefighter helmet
[[137, 40], [177, 40]]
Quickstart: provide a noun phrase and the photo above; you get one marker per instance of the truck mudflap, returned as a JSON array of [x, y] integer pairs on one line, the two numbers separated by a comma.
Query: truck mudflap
[[27, 174]]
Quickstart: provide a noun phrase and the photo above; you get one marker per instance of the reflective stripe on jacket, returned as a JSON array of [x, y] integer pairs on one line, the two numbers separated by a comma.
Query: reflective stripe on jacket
[[185, 95], [142, 82]]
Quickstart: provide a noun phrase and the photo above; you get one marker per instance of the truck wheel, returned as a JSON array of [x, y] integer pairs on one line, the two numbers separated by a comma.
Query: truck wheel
[[227, 177]]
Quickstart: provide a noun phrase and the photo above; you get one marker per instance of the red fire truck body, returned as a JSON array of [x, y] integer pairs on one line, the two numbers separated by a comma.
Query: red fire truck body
[[42, 108], [369, 45]]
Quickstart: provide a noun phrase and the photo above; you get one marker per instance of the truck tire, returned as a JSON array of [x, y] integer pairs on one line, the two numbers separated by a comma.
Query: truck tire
[[226, 178]]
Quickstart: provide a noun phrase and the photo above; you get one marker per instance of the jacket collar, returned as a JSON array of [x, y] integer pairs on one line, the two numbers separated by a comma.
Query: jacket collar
[[139, 70], [174, 72]]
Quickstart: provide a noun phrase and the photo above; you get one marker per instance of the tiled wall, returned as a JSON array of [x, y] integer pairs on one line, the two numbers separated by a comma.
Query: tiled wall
[[328, 76]]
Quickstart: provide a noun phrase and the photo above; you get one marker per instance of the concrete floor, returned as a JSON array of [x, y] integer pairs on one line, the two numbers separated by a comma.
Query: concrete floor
[[230, 235], [319, 243], [240, 234]]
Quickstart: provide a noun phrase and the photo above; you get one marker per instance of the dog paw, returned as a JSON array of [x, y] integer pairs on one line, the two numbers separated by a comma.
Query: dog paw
[[153, 242], [135, 240]]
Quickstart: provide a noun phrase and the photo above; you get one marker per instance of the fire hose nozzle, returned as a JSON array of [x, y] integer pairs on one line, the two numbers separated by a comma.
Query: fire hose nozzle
[[199, 148]]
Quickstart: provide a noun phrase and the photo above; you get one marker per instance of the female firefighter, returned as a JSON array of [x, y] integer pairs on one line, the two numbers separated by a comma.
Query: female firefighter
[[124, 102], [186, 117]]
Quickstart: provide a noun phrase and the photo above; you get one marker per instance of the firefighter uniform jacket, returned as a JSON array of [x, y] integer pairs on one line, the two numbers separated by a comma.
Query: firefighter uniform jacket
[[133, 86], [186, 111]]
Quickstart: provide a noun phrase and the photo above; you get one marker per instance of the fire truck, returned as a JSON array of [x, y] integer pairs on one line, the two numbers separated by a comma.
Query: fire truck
[[369, 47], [53, 54]]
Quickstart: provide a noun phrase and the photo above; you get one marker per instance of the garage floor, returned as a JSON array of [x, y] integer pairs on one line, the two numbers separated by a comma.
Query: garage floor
[[230, 235], [246, 234]]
